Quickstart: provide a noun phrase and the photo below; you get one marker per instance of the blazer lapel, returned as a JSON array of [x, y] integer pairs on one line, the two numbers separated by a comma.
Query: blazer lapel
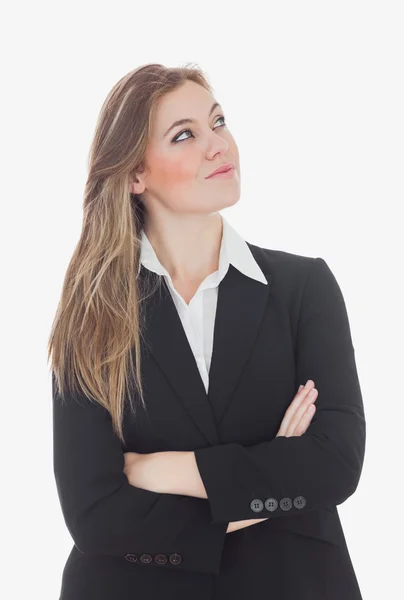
[[241, 306]]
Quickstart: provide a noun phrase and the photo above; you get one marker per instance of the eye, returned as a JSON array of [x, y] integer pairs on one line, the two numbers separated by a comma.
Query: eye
[[176, 140]]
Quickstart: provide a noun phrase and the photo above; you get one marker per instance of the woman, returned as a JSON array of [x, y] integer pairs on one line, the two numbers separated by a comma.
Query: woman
[[189, 462]]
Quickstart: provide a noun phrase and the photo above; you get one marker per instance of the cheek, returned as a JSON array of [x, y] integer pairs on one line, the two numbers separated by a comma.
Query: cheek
[[173, 172]]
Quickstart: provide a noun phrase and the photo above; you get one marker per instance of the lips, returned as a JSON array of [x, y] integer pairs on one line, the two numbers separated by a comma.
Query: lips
[[222, 169]]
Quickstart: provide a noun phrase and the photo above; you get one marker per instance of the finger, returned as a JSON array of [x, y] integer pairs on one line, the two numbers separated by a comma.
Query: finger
[[294, 405], [291, 409], [305, 421], [310, 398]]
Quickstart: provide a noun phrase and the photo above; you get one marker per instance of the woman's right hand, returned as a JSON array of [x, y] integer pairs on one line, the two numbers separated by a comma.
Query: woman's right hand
[[300, 412]]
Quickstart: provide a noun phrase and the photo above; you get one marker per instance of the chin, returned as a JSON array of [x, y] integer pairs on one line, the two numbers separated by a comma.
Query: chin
[[227, 200]]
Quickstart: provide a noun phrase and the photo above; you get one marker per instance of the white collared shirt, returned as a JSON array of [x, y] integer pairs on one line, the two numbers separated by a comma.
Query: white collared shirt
[[198, 317]]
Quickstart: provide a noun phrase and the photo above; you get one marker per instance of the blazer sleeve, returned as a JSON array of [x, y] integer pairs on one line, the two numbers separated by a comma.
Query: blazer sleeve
[[107, 515], [291, 475]]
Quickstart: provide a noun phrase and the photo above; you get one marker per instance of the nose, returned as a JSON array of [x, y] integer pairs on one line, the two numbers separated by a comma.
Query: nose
[[217, 144]]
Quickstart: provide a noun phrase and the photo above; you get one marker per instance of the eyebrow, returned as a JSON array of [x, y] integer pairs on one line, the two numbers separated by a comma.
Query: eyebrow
[[183, 121]]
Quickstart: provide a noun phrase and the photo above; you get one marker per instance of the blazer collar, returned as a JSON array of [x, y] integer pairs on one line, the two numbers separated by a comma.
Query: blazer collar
[[241, 305]]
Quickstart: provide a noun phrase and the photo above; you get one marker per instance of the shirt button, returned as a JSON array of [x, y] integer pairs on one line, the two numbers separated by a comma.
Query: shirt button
[[271, 504], [257, 505], [285, 504]]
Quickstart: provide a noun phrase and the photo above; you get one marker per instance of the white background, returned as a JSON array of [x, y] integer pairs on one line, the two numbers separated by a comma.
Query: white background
[[313, 94]]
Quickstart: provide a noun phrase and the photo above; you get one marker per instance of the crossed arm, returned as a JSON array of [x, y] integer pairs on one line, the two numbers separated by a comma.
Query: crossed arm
[[309, 471], [165, 473], [177, 472], [171, 473]]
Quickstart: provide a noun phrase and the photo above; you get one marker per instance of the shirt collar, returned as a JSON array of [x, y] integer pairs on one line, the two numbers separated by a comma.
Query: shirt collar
[[233, 250]]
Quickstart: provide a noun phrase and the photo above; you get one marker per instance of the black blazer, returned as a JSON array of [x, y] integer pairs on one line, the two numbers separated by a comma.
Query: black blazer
[[132, 543]]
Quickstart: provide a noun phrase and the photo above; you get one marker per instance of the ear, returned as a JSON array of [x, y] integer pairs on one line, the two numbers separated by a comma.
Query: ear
[[137, 185], [137, 180]]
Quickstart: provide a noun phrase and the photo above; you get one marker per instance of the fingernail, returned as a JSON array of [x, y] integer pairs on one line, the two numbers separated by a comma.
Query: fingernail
[[308, 384]]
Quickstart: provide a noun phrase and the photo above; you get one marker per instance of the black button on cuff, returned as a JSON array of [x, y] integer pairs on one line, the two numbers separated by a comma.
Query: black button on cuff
[[131, 557], [256, 505], [299, 502], [271, 504], [175, 559], [146, 558], [285, 504]]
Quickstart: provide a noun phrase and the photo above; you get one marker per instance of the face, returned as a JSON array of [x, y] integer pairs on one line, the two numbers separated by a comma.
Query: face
[[179, 161]]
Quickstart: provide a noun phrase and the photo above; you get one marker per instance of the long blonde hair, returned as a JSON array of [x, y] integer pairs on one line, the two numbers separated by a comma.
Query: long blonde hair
[[99, 321]]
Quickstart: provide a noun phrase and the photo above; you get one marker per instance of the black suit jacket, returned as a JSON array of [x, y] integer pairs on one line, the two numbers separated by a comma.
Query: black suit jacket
[[268, 339]]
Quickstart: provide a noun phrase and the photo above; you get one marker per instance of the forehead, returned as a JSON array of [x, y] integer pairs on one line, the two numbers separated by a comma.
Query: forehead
[[191, 100]]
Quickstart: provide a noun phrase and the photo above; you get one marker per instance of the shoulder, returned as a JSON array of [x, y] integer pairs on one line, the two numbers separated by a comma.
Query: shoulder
[[294, 276], [284, 266]]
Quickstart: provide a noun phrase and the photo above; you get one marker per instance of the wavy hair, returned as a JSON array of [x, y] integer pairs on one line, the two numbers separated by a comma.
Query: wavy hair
[[98, 326]]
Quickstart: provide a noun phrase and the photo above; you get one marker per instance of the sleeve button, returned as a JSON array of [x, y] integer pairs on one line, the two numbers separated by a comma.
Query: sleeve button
[[160, 559], [299, 501], [285, 504], [146, 558], [256, 505], [131, 557], [271, 504], [175, 559]]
